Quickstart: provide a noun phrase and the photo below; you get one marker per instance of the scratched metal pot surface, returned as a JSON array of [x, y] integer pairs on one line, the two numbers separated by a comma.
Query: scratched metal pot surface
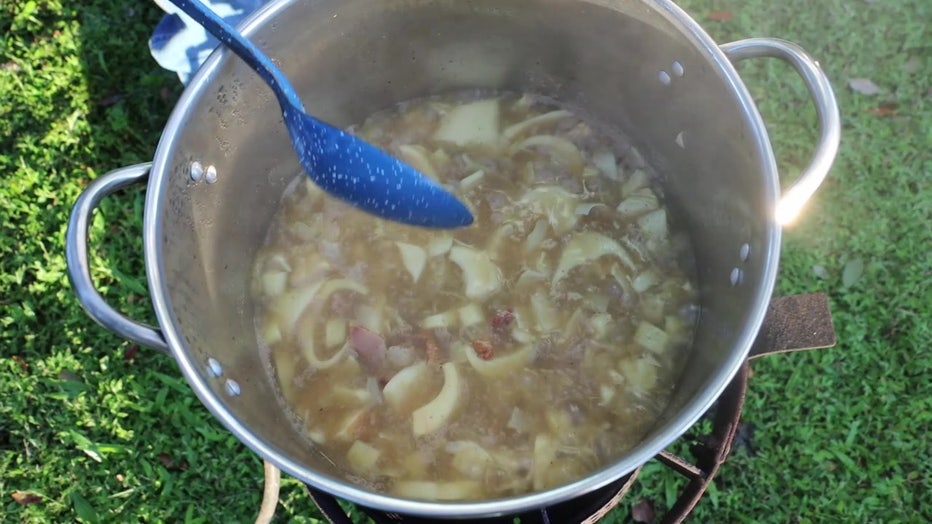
[[642, 66]]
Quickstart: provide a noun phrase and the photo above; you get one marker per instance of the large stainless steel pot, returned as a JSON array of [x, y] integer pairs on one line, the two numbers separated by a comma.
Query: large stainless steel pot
[[643, 66]]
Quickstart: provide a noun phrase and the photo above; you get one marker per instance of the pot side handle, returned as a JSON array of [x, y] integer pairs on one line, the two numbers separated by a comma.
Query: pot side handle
[[77, 259], [826, 107]]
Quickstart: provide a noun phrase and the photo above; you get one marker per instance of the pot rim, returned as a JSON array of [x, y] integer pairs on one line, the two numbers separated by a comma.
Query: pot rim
[[688, 416]]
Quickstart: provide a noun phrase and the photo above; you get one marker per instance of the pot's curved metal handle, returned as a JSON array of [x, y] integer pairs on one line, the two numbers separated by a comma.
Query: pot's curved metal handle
[[826, 106], [79, 272]]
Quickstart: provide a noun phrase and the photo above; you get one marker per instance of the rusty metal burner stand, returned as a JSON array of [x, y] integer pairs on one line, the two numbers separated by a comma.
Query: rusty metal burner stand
[[793, 323]]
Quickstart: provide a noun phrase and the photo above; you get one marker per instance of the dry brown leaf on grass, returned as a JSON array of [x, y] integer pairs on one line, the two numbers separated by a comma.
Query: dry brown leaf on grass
[[884, 110], [720, 16], [24, 499], [643, 511], [170, 463], [864, 86]]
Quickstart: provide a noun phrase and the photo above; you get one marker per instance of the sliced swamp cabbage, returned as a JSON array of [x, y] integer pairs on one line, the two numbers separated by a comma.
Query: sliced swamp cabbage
[[370, 317], [350, 424], [587, 247], [306, 337], [446, 319], [645, 280], [334, 333], [406, 386], [651, 337], [654, 227], [274, 283], [362, 457], [271, 333], [472, 181], [469, 458], [636, 181], [638, 203], [471, 315], [640, 374], [556, 204], [500, 366], [536, 236], [546, 315], [419, 158], [559, 150], [545, 451], [528, 279], [449, 490], [605, 161], [476, 123], [481, 277], [599, 324], [291, 305], [285, 364], [413, 258], [439, 243], [534, 123], [435, 414], [587, 207]]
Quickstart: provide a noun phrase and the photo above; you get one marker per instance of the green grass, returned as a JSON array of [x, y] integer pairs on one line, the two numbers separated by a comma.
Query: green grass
[[841, 434]]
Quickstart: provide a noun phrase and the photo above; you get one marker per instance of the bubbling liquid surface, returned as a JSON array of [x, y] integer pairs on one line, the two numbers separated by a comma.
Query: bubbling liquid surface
[[521, 353]]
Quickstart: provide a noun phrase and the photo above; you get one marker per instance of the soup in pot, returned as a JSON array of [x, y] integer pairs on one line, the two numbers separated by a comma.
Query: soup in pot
[[514, 355]]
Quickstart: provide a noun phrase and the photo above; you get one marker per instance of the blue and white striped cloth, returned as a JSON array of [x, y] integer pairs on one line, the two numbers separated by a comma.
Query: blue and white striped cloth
[[181, 45]]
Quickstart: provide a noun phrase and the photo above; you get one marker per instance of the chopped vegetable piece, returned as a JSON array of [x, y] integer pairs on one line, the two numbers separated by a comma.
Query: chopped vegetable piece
[[441, 320], [559, 150], [469, 458], [637, 180], [472, 181], [405, 387], [451, 490], [654, 227], [605, 161], [544, 312], [335, 333], [284, 370], [536, 236], [413, 257], [640, 374], [471, 315], [476, 123], [534, 123], [503, 364], [352, 425], [586, 247], [435, 414], [370, 317], [439, 244], [362, 457], [638, 203], [274, 283], [308, 349], [644, 281], [271, 334], [545, 451], [599, 324], [419, 158], [481, 277], [587, 207], [651, 337], [556, 204]]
